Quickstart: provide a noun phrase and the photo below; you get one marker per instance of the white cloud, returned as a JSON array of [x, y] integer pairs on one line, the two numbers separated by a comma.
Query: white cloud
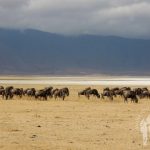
[[129, 18]]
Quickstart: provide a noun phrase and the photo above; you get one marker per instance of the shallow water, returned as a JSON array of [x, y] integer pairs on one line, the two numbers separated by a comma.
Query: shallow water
[[79, 81]]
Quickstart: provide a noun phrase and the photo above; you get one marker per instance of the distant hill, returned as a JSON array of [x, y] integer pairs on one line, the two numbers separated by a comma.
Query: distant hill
[[37, 52]]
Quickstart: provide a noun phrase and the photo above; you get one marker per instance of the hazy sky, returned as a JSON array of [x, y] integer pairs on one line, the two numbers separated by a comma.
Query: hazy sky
[[130, 18]]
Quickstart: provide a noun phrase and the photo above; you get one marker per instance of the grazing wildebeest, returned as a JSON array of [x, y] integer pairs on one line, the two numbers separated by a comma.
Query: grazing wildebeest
[[108, 94], [41, 94], [130, 94], [44, 93], [88, 91], [84, 91], [17, 92], [30, 92], [8, 93], [145, 94], [93, 92]]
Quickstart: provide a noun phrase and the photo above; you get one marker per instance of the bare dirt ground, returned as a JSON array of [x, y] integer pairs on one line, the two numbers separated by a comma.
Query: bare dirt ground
[[73, 124]]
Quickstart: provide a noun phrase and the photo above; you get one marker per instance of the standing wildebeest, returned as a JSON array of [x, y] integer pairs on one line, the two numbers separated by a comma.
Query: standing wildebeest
[[8, 93], [65, 91], [61, 93], [48, 91], [54, 90], [44, 93], [130, 94]]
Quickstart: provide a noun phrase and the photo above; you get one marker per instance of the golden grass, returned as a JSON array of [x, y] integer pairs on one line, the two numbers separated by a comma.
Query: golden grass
[[73, 124]]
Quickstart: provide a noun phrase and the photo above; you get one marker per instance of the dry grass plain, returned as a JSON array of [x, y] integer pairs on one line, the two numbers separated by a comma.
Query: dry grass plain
[[73, 124]]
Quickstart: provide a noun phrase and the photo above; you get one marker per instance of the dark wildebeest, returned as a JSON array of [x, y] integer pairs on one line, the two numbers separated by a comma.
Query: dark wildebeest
[[130, 94], [17, 92], [29, 92], [93, 92], [88, 92], [59, 94], [145, 94], [108, 94], [65, 90], [114, 89], [54, 90], [106, 89], [48, 91], [44, 93], [84, 91], [41, 94], [2, 93], [8, 93]]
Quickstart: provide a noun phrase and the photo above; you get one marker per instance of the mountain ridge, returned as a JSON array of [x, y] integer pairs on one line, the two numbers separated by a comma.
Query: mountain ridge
[[36, 52]]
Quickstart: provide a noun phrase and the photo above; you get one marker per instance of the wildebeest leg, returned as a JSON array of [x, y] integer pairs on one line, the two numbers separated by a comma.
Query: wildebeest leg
[[3, 95], [136, 100], [125, 100], [6, 96], [45, 97], [111, 98], [88, 96]]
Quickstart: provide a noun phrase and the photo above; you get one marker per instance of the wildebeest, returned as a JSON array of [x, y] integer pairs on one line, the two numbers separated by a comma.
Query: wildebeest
[[48, 91], [88, 92], [29, 92], [44, 93], [41, 94], [8, 93], [108, 94], [145, 94], [17, 92], [83, 91], [93, 92], [130, 94], [2, 92], [61, 93]]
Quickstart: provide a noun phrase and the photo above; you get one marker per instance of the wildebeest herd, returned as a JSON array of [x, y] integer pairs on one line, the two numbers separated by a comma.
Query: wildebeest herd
[[43, 94], [49, 92], [125, 92]]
